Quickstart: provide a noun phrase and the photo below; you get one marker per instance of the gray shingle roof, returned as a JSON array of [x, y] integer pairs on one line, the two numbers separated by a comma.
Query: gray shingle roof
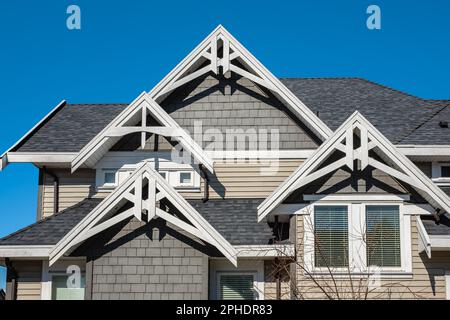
[[434, 229], [52, 229], [401, 117], [394, 113], [70, 129], [235, 219], [430, 132]]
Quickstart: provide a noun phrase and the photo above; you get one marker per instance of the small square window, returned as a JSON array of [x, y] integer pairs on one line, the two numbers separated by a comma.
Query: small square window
[[445, 171], [110, 177], [185, 178]]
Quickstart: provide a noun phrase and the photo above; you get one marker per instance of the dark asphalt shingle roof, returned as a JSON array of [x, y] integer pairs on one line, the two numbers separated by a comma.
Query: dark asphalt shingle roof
[[394, 113], [235, 219], [430, 132], [434, 229], [52, 229], [401, 117], [70, 129]]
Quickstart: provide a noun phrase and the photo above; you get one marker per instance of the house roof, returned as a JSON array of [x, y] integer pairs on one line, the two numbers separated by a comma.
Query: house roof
[[239, 226], [437, 229], [396, 114], [401, 117]]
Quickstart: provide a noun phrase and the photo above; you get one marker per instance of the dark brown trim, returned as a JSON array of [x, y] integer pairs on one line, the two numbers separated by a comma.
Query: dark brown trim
[[11, 281], [89, 278], [204, 175]]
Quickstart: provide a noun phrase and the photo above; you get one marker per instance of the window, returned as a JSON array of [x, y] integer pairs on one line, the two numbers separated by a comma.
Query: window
[[109, 177], [163, 174], [330, 236], [185, 178], [236, 287], [445, 171], [60, 290], [383, 236]]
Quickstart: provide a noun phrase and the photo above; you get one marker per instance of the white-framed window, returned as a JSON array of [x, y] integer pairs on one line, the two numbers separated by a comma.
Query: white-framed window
[[107, 178], [330, 236], [236, 286], [62, 291], [365, 237], [185, 178], [440, 173]]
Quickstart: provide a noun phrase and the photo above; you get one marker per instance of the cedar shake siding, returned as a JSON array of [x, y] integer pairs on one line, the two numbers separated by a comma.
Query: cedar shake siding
[[140, 261]]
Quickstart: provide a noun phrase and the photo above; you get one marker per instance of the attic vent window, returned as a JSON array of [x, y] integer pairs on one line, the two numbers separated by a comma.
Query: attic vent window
[[443, 124]]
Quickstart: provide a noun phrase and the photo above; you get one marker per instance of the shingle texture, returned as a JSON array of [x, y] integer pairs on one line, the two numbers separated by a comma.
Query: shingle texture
[[235, 219], [435, 229], [52, 229], [225, 104], [394, 113], [70, 129]]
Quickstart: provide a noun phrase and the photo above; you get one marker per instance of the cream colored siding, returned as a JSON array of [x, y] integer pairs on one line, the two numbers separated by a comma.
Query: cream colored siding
[[72, 189], [29, 274], [248, 179], [426, 282]]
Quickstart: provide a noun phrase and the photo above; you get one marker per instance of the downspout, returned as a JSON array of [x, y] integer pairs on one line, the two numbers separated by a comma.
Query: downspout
[[277, 264], [204, 175], [11, 281], [55, 189]]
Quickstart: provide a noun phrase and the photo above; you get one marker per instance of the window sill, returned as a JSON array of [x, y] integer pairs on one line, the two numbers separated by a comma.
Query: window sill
[[391, 275]]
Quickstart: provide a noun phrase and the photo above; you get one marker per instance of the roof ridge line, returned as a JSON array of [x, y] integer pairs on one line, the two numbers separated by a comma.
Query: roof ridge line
[[392, 89]]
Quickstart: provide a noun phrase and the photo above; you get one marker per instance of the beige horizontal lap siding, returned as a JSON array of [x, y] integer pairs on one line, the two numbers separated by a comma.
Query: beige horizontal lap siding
[[242, 179], [427, 280], [246, 179], [29, 275], [72, 189]]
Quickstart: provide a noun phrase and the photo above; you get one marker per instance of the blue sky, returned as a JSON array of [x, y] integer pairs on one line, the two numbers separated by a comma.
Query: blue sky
[[126, 47]]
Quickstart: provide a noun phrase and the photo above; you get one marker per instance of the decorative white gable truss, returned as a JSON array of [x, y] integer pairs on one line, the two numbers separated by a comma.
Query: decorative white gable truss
[[218, 53], [125, 123], [144, 208], [395, 164]]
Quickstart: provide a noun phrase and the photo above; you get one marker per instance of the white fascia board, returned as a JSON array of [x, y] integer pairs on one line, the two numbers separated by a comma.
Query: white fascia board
[[305, 114], [41, 157], [97, 145], [107, 205], [265, 251], [424, 238], [424, 150], [25, 251], [421, 182], [356, 197], [4, 159], [440, 242]]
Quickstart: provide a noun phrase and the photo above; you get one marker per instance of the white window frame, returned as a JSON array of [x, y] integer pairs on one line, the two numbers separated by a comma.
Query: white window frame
[[436, 173], [101, 178], [220, 274], [357, 248], [184, 185], [57, 270], [220, 266]]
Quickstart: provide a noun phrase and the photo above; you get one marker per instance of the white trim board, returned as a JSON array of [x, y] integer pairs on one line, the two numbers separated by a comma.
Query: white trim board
[[207, 50], [102, 216], [398, 165], [126, 120], [21, 251]]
